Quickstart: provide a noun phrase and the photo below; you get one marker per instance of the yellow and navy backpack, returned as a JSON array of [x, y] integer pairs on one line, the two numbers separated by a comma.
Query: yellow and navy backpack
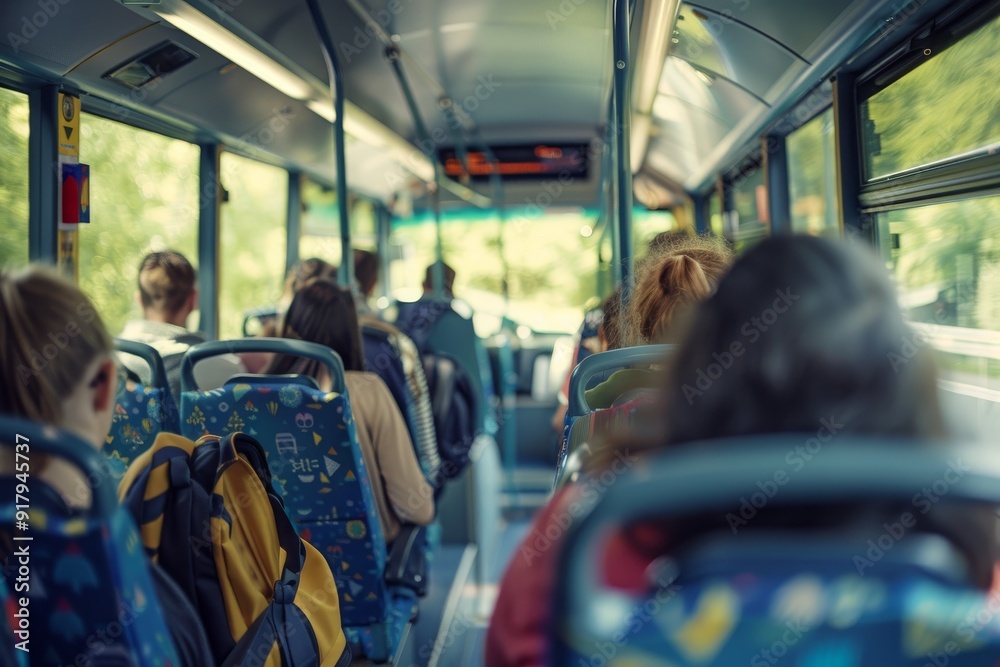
[[209, 516]]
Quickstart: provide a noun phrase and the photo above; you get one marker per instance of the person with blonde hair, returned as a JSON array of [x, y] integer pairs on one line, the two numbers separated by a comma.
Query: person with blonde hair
[[669, 281], [167, 295]]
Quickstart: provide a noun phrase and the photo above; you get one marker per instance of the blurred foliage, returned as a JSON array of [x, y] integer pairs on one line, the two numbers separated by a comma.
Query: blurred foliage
[[948, 261], [948, 254], [143, 198], [13, 178], [946, 107], [252, 237], [551, 258], [812, 177]]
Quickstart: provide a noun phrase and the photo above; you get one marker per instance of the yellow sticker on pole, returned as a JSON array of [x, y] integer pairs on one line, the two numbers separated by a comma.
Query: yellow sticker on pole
[[69, 125]]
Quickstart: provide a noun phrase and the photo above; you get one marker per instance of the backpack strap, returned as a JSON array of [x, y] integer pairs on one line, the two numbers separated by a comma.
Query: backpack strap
[[282, 620]]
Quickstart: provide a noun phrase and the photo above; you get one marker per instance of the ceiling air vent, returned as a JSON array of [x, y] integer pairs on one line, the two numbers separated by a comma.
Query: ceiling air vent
[[159, 61]]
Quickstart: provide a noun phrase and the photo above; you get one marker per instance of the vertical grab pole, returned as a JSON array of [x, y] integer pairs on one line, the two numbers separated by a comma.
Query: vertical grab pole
[[427, 146], [623, 166], [345, 276]]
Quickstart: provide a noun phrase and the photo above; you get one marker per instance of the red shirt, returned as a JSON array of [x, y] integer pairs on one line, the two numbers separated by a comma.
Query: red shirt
[[519, 630]]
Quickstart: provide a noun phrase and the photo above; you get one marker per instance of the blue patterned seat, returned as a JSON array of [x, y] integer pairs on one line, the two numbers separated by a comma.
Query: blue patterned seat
[[141, 411], [316, 464], [867, 595], [89, 589]]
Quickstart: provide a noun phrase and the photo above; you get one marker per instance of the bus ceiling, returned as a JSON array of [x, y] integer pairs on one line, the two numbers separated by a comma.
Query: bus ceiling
[[506, 71]]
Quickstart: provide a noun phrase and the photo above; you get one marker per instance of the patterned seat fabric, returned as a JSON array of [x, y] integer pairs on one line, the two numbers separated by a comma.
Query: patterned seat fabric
[[807, 618], [316, 465], [90, 593], [141, 413]]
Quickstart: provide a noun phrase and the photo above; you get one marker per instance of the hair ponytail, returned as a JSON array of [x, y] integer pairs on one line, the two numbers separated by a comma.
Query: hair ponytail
[[676, 276]]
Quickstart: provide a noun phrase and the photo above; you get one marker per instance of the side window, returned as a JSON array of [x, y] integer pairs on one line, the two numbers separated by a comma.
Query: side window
[[144, 197], [946, 107], [320, 224], [747, 215], [946, 258], [14, 182], [812, 175], [252, 239]]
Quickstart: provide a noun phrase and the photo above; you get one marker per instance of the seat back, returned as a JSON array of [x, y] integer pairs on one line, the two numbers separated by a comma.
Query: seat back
[[83, 572], [436, 327], [141, 411], [316, 464], [803, 597], [593, 370]]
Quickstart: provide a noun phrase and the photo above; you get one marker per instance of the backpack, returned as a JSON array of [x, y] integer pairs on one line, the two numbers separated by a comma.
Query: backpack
[[210, 517], [453, 404]]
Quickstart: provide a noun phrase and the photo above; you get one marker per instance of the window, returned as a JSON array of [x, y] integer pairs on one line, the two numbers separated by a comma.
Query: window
[[946, 258], [715, 212], [645, 226], [748, 219], [812, 175], [14, 182], [552, 262], [320, 224], [944, 108], [144, 197], [252, 239]]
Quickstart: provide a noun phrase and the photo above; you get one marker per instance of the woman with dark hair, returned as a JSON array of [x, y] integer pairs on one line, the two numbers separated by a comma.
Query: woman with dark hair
[[806, 335], [324, 313], [802, 334]]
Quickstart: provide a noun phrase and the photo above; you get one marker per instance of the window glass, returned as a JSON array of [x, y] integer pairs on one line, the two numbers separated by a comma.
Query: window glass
[[715, 213], [320, 224], [812, 176], [946, 258], [747, 214], [252, 239], [14, 182], [646, 225], [552, 260], [944, 108], [143, 198]]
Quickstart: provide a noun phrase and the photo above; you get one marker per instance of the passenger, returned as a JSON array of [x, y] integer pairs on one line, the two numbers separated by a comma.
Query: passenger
[[820, 334], [298, 275], [449, 281], [167, 295], [366, 273], [410, 392], [608, 337], [683, 271], [324, 313], [73, 390]]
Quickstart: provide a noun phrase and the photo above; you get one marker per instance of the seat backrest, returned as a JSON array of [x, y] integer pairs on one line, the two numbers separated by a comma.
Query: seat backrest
[[316, 464], [83, 572], [599, 367], [593, 370], [802, 597], [142, 411], [436, 327]]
